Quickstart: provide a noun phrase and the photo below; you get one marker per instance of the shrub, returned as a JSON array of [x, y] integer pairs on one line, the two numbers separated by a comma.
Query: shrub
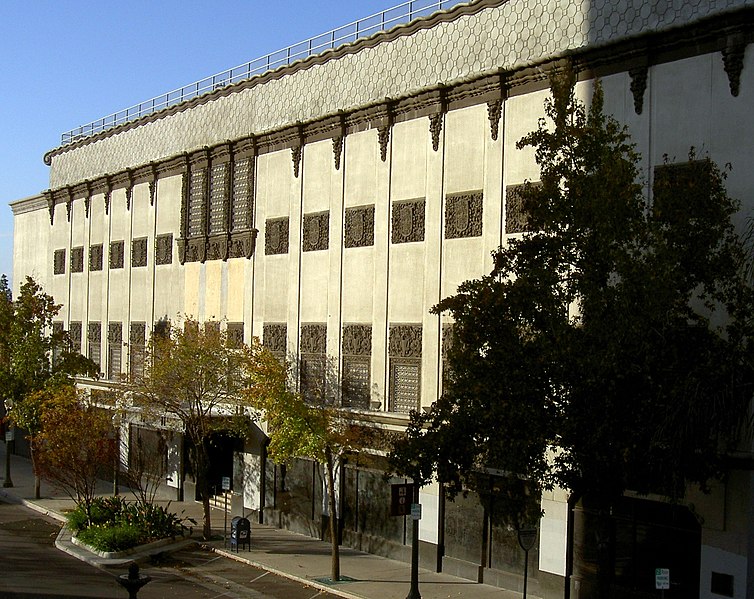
[[111, 538]]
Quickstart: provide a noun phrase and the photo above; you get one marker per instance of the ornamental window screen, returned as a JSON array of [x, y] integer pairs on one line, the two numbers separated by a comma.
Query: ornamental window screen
[[94, 339], [95, 257], [139, 252], [241, 202], [218, 196], [163, 249], [58, 262], [359, 227], [407, 221], [196, 201], [357, 356], [447, 344], [74, 332], [405, 350], [116, 254], [312, 370], [114, 350], [463, 215], [276, 236], [77, 259], [136, 349]]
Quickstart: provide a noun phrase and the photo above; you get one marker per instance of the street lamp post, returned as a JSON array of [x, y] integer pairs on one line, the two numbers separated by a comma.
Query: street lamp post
[[116, 453], [9, 441], [414, 590]]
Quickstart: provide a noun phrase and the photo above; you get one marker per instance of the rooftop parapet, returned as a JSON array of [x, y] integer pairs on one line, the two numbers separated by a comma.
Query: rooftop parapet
[[346, 34]]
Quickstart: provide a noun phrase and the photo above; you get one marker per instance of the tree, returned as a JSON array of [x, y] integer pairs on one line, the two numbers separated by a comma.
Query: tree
[[33, 357], [309, 425], [75, 440], [195, 376], [610, 348]]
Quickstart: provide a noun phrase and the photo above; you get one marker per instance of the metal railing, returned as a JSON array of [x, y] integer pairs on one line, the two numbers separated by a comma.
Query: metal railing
[[381, 21]]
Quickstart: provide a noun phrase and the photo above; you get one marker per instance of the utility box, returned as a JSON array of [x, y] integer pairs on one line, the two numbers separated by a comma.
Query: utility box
[[240, 532]]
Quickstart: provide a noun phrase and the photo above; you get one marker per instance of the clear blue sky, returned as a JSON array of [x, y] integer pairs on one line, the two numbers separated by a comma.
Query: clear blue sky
[[68, 62]]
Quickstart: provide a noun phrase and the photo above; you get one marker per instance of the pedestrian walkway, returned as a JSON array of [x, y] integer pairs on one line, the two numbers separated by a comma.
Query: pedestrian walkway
[[281, 552]]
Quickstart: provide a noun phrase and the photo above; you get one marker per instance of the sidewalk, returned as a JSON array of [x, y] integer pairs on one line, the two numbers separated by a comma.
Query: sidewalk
[[279, 551]]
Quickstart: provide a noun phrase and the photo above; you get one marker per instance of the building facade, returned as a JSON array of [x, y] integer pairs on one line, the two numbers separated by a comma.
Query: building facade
[[327, 205]]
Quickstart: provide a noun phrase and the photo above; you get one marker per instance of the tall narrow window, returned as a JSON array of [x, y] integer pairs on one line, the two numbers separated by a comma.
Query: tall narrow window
[[136, 349], [312, 364], [114, 350], [357, 356], [405, 348], [196, 200], [241, 205], [94, 339], [218, 195], [74, 331]]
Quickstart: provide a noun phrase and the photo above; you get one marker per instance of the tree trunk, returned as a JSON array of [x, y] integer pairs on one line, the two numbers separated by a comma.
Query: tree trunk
[[605, 551], [201, 470], [37, 478], [330, 467]]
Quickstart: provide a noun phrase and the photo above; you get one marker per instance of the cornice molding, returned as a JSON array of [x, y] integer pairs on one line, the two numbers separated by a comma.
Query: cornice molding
[[728, 34]]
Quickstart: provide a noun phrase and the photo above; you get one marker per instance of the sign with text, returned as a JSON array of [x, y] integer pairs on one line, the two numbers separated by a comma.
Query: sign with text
[[226, 483], [402, 496], [662, 579]]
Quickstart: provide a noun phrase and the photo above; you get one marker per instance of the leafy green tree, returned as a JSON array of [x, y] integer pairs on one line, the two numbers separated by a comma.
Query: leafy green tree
[[305, 425], [610, 347], [196, 376], [75, 440], [27, 347]]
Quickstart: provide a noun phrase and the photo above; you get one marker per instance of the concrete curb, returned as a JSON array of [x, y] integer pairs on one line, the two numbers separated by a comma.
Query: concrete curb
[[307, 581]]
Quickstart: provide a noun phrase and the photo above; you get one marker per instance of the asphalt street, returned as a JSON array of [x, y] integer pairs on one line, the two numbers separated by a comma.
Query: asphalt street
[[31, 567]]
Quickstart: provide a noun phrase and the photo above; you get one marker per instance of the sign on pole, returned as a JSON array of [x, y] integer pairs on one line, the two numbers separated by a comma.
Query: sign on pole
[[402, 496], [662, 579], [226, 483], [416, 511]]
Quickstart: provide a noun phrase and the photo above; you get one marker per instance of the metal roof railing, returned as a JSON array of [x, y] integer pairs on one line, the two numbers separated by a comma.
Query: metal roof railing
[[381, 21]]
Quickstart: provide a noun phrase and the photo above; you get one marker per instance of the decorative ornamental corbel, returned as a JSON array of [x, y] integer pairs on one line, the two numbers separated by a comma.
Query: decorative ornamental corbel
[[152, 183], [68, 203], [337, 143], [129, 189], [733, 61], [87, 197], [50, 198], [108, 193], [435, 122], [297, 151], [638, 86], [384, 125], [494, 112]]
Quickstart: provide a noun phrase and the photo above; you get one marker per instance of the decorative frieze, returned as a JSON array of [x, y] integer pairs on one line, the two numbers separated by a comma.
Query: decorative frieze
[[139, 252], [359, 227], [313, 338], [235, 334], [516, 218], [276, 236], [77, 259], [357, 340], [163, 249], [463, 215], [242, 244], [408, 221], [58, 262], [94, 332], [115, 332], [274, 337], [138, 333], [116, 254], [316, 232], [217, 248], [405, 341], [95, 257]]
